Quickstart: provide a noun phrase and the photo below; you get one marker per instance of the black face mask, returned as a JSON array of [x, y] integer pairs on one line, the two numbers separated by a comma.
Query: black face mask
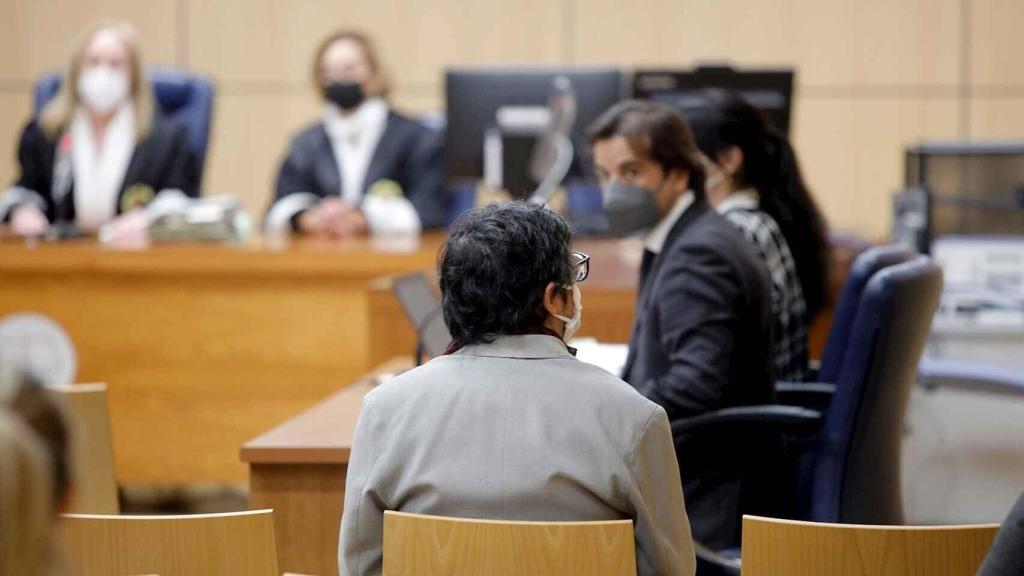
[[345, 95]]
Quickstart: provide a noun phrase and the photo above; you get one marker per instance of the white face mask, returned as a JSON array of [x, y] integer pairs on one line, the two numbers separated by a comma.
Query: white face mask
[[573, 324], [102, 88]]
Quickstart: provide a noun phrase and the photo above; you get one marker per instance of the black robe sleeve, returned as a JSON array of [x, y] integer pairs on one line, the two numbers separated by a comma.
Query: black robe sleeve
[[180, 171]]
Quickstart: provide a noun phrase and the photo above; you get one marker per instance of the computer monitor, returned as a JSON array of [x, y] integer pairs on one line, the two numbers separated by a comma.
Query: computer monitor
[[475, 96], [965, 188], [423, 310], [769, 90]]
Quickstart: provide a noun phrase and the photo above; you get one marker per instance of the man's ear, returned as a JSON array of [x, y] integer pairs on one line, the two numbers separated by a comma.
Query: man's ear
[[679, 180], [554, 299]]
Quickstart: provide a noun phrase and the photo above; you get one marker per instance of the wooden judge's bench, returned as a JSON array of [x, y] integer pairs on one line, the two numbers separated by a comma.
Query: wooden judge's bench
[[206, 346]]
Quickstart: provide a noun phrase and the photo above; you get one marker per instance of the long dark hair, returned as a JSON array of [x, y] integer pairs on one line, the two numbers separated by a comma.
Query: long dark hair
[[723, 120]]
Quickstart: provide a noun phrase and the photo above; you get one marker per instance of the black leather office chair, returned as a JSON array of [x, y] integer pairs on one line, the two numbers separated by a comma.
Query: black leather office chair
[[818, 392], [844, 463], [866, 265]]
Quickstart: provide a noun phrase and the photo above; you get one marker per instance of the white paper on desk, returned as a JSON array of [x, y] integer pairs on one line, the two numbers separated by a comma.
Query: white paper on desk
[[611, 357]]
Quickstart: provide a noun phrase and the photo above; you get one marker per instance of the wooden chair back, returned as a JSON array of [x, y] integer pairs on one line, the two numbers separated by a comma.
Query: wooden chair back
[[418, 545], [772, 546], [231, 544], [91, 449]]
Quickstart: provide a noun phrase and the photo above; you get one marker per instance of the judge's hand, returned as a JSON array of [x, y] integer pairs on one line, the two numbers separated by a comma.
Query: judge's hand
[[128, 231], [29, 220], [333, 217]]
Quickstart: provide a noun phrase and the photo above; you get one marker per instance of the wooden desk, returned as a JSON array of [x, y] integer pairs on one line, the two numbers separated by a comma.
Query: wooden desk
[[299, 468], [206, 346]]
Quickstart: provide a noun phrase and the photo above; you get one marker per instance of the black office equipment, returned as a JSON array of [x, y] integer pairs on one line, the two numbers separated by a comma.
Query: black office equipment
[[476, 97], [421, 307], [960, 188], [769, 90]]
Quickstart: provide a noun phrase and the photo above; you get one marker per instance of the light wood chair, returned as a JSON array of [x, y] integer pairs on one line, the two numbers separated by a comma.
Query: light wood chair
[[92, 454], [232, 544], [772, 547], [417, 545]]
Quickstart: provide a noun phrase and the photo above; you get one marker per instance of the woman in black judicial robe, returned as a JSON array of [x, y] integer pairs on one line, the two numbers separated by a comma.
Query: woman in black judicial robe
[[97, 150], [360, 147]]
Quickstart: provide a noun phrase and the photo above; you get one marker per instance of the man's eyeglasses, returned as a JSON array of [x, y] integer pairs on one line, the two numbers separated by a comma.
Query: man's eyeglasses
[[581, 262]]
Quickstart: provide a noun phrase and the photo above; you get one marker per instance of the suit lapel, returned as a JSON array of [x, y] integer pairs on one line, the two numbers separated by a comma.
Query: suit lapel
[[648, 280], [133, 173], [325, 165], [689, 217]]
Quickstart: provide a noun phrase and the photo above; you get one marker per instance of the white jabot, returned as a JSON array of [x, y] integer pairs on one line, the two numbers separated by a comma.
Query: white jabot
[[655, 240], [746, 199], [354, 138], [99, 173]]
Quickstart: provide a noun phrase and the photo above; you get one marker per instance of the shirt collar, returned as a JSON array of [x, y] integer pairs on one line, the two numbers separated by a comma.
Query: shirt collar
[[656, 238], [371, 113], [531, 346], [746, 199]]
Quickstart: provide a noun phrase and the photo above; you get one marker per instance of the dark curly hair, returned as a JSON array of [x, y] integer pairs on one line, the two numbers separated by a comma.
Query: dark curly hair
[[495, 266]]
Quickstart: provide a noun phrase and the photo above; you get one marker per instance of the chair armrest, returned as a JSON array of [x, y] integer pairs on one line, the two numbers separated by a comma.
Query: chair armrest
[[970, 375], [787, 418], [713, 563], [813, 395]]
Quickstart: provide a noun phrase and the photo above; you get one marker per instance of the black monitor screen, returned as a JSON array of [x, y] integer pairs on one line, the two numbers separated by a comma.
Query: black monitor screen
[[974, 187], [473, 97], [769, 90]]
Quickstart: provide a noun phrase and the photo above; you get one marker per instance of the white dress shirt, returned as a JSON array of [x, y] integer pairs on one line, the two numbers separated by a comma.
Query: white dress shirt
[[99, 172], [354, 138]]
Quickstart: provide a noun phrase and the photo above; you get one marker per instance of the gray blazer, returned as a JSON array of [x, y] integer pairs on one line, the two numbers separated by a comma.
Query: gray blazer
[[515, 430]]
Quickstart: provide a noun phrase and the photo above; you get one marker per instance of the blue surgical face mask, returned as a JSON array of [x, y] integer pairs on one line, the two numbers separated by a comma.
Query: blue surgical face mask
[[630, 209]]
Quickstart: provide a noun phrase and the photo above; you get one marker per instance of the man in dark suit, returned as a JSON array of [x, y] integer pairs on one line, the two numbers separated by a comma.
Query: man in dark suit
[[359, 150], [702, 336]]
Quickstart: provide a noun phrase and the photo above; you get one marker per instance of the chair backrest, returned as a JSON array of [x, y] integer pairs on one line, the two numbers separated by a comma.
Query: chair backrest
[[864, 267], [417, 545], [855, 473], [186, 97], [92, 455], [238, 543], [772, 547]]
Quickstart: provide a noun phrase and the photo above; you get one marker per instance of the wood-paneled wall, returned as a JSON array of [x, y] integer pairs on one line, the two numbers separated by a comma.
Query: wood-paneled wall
[[874, 75]]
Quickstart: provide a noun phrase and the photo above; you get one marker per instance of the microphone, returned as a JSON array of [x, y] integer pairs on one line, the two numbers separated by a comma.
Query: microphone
[[553, 154]]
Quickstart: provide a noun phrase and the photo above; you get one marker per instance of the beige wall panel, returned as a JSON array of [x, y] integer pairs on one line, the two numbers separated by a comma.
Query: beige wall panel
[[997, 42], [14, 112], [997, 118], [851, 151], [271, 41], [419, 101], [250, 136], [833, 42], [36, 36]]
